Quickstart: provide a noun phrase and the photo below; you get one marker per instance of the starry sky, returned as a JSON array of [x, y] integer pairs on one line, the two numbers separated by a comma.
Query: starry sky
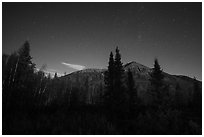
[[73, 36]]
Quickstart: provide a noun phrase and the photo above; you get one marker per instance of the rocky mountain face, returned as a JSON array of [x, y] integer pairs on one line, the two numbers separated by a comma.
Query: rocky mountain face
[[90, 82]]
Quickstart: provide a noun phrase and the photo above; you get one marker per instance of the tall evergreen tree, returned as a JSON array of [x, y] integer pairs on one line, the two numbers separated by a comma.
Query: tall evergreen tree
[[109, 80], [24, 66], [156, 79], [120, 95], [20, 79], [25, 62], [55, 76], [119, 71], [25, 75], [116, 95]]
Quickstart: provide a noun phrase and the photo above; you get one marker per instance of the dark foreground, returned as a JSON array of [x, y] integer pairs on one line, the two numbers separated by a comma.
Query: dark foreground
[[33, 103], [91, 120]]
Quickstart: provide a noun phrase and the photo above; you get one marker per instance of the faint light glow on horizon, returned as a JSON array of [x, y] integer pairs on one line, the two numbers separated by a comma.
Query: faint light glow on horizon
[[74, 66]]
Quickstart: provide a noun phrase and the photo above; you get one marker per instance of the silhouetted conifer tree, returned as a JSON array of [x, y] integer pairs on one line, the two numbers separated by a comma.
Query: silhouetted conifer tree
[[49, 77], [116, 96], [156, 79], [55, 76], [25, 75], [19, 82], [109, 81], [120, 95], [119, 71], [25, 64]]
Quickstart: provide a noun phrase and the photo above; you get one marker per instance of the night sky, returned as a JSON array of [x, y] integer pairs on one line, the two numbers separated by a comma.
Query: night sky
[[70, 36]]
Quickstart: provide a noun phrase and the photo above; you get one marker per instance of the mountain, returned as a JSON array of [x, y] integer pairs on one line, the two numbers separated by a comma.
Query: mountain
[[90, 82]]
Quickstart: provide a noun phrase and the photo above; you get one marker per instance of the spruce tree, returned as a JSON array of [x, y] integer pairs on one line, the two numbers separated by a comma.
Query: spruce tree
[[25, 63], [115, 96], [25, 75], [120, 95], [21, 78], [119, 71], [24, 66], [109, 80], [55, 76], [156, 80]]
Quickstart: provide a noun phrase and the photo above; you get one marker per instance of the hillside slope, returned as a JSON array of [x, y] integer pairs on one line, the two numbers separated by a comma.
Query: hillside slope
[[91, 81]]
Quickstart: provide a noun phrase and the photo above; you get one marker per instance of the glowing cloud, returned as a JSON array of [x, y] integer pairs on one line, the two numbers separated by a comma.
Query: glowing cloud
[[74, 66]]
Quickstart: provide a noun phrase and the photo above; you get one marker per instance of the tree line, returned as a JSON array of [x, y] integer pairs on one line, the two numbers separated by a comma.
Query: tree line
[[26, 89]]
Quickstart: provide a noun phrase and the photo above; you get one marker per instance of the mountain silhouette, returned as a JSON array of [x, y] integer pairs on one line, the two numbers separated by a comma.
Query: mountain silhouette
[[93, 81]]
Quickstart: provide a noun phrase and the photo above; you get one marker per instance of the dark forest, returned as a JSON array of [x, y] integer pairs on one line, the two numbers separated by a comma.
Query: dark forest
[[129, 99]]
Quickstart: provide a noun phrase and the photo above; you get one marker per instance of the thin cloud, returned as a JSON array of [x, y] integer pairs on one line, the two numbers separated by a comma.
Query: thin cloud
[[74, 66]]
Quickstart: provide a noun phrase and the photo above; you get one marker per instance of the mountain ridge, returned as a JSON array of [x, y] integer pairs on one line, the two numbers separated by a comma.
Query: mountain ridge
[[131, 65], [91, 81]]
